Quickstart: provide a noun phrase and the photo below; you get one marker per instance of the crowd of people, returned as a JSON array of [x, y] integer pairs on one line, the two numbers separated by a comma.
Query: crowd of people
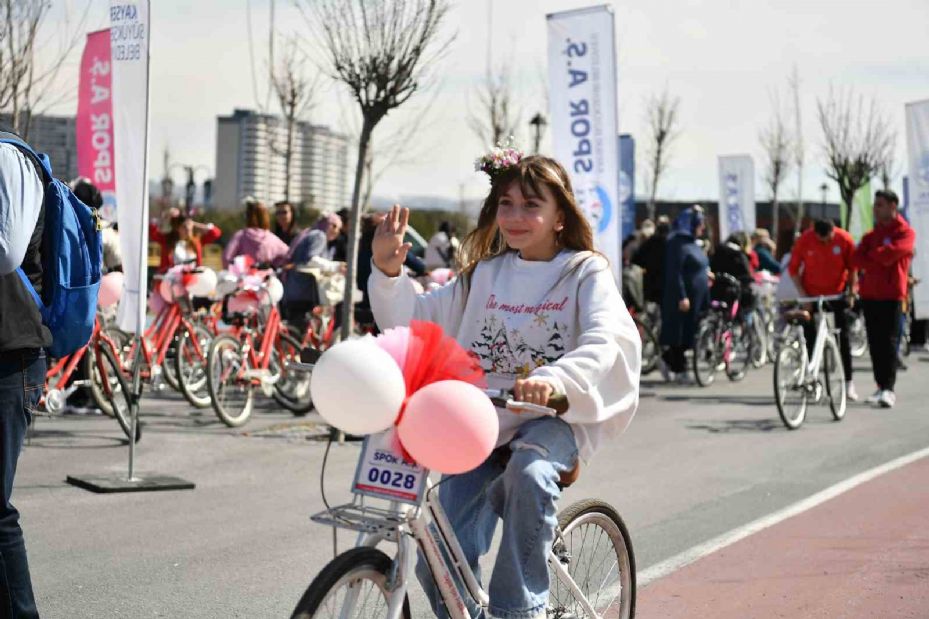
[[670, 266]]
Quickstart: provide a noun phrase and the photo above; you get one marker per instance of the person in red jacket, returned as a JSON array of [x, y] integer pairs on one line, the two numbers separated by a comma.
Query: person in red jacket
[[821, 265], [884, 257], [183, 244]]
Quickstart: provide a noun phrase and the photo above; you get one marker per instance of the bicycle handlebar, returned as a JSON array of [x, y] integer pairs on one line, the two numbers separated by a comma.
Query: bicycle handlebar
[[556, 405], [817, 299]]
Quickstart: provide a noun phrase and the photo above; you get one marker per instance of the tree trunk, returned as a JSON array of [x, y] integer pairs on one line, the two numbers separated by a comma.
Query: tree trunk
[[848, 198], [354, 230], [775, 216]]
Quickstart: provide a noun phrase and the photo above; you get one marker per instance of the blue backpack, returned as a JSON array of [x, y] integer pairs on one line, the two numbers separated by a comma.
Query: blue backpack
[[72, 258]]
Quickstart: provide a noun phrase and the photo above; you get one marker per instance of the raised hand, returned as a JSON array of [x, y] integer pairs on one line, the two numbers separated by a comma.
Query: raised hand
[[388, 249]]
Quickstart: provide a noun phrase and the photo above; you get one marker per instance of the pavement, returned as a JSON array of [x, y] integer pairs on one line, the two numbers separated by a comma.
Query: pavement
[[695, 465]]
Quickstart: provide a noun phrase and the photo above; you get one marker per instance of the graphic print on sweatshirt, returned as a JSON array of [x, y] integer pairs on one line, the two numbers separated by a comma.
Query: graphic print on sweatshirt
[[514, 339]]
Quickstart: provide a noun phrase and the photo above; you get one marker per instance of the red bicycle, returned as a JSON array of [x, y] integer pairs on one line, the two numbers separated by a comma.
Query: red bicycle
[[107, 383], [256, 353], [177, 332]]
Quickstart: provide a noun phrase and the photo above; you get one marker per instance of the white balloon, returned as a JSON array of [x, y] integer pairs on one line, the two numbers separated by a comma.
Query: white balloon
[[204, 283], [357, 387], [275, 289], [226, 284]]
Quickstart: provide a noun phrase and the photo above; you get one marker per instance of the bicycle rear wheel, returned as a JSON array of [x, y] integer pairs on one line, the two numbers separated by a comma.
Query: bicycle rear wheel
[[759, 332], [706, 352], [231, 395], [789, 391], [353, 585], [596, 550], [834, 377]]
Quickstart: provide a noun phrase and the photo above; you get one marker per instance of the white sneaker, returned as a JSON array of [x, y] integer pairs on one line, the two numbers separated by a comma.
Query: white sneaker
[[850, 391], [888, 399], [875, 397]]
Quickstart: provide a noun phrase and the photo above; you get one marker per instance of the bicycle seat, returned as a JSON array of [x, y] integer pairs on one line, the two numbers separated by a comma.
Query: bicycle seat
[[796, 316]]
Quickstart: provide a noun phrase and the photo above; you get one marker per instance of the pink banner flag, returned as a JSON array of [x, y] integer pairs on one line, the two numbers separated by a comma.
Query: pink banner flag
[[95, 120]]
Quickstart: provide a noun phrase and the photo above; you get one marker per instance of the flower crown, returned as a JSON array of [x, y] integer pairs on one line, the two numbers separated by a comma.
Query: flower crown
[[498, 160]]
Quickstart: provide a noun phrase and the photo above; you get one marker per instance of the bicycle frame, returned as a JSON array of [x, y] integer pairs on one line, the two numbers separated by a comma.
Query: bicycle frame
[[157, 338], [819, 344], [63, 368], [409, 526]]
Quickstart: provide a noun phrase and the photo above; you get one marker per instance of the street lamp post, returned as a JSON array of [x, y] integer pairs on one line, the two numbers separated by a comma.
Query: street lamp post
[[824, 188], [538, 123]]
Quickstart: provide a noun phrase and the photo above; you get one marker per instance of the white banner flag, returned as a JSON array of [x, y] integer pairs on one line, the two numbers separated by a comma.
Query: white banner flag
[[917, 142], [129, 45], [736, 195], [582, 94]]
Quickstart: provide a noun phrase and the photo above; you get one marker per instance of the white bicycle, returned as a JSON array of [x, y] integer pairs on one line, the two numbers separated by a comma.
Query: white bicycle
[[800, 378], [591, 563]]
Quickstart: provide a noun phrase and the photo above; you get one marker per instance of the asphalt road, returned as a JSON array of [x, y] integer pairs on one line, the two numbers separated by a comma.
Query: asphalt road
[[695, 463]]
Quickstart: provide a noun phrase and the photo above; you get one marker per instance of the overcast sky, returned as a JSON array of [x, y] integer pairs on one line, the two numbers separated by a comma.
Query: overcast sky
[[723, 58]]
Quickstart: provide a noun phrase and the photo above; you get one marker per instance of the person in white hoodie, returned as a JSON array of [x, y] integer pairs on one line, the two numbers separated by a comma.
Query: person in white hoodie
[[540, 309]]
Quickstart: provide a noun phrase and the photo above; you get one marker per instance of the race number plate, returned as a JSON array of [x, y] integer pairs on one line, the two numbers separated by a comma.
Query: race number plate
[[383, 473]]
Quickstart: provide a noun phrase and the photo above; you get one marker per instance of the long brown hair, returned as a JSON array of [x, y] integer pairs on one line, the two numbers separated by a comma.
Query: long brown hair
[[256, 215], [172, 238], [486, 241]]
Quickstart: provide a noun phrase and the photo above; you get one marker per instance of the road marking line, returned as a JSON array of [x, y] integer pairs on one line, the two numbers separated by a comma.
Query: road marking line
[[666, 567]]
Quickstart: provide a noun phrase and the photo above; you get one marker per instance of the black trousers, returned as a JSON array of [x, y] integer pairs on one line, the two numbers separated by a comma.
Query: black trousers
[[882, 320], [840, 320]]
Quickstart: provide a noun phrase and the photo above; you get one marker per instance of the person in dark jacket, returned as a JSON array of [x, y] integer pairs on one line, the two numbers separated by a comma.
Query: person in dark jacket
[[686, 289], [650, 255], [731, 258], [285, 222]]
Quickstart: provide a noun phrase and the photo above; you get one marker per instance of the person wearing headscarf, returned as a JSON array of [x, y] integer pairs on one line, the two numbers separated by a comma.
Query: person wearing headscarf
[[686, 289], [310, 248]]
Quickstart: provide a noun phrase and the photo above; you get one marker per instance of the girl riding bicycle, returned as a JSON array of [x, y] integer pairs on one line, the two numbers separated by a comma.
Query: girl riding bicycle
[[539, 307]]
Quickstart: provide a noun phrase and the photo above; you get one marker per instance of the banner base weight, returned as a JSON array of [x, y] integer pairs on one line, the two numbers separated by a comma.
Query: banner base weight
[[118, 482]]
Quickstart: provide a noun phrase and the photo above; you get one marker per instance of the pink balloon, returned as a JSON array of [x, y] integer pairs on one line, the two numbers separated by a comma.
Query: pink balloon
[[441, 276], [395, 341], [111, 289], [156, 302], [449, 426], [244, 302]]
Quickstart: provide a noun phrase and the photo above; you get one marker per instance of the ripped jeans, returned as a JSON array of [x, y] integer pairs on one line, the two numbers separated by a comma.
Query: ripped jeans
[[521, 492]]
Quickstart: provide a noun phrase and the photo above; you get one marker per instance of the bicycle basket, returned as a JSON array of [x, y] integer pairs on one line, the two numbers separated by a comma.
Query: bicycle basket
[[725, 289]]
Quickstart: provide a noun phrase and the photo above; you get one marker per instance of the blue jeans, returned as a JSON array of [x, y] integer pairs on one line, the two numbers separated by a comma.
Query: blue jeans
[[22, 379], [522, 492]]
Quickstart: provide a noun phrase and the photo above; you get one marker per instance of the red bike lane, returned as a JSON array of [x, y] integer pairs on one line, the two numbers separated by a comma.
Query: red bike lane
[[864, 553]]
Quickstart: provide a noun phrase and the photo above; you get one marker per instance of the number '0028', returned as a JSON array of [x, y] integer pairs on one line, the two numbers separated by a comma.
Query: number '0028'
[[393, 479]]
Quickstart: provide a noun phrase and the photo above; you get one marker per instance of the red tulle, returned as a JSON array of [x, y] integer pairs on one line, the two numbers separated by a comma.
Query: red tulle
[[432, 356]]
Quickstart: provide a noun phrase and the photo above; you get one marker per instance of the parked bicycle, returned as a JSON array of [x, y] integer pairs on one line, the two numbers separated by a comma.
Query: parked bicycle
[[105, 379], [591, 563], [724, 338], [254, 354], [801, 378]]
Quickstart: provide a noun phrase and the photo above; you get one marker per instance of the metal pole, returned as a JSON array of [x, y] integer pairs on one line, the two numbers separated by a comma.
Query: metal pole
[[135, 386]]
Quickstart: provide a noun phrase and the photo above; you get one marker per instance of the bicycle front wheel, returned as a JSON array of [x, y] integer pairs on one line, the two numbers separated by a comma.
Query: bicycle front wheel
[[353, 585], [741, 347], [190, 365], [651, 351], [706, 353], [232, 395], [834, 377], [789, 391], [111, 384], [292, 390], [596, 549]]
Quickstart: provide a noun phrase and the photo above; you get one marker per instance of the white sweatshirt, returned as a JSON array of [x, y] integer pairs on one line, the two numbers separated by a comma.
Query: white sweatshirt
[[562, 321]]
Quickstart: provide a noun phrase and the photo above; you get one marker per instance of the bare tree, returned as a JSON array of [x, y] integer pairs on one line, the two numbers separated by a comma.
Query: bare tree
[[663, 129], [382, 51], [294, 93], [495, 118], [887, 166], [776, 142], [25, 83], [856, 139], [799, 149]]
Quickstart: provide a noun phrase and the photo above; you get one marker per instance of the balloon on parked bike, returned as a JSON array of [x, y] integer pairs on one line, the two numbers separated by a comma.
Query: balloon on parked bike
[[111, 289]]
